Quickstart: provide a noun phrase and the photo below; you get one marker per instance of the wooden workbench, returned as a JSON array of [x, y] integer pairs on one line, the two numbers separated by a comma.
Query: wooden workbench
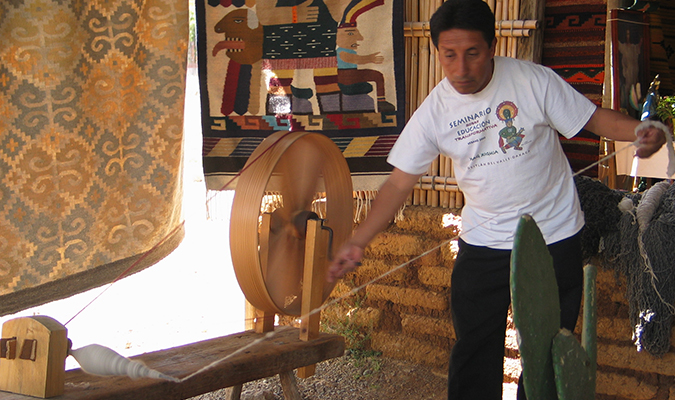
[[279, 354]]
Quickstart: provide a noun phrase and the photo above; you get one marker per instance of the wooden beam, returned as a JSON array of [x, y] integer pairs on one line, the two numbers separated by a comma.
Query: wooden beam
[[531, 48]]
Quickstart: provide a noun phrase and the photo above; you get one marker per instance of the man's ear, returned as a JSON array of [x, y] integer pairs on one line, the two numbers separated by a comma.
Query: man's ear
[[493, 48]]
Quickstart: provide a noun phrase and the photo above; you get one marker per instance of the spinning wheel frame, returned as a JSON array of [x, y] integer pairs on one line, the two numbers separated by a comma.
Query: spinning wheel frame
[[286, 162]]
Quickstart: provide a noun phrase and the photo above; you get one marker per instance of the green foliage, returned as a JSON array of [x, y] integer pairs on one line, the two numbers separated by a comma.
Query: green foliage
[[666, 108], [347, 323]]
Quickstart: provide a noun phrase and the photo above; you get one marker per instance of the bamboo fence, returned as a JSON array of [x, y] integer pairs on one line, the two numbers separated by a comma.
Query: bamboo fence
[[438, 188]]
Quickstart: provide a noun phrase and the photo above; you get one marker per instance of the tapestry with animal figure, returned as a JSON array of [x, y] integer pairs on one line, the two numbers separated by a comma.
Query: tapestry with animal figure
[[330, 66]]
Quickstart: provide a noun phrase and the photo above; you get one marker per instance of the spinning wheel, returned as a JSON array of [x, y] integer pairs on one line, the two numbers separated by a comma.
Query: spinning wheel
[[290, 179]]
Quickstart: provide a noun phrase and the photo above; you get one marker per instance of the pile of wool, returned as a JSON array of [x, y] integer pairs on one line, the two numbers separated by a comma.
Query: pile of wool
[[634, 235]]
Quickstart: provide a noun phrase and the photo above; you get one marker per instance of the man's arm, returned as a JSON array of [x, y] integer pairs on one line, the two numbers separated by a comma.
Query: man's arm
[[617, 126], [389, 199]]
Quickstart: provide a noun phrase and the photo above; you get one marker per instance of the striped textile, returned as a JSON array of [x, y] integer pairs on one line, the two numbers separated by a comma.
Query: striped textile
[[574, 47]]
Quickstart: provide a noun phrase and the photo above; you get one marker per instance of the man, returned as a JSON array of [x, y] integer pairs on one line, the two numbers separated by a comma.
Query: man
[[462, 118], [352, 79]]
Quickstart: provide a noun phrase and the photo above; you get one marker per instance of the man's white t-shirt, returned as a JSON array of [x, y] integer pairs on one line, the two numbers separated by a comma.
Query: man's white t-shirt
[[505, 150]]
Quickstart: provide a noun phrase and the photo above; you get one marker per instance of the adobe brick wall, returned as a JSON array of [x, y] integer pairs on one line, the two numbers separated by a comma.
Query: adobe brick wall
[[409, 310]]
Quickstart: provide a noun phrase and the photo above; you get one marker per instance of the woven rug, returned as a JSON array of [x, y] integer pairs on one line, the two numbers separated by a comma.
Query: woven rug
[[662, 49], [574, 47], [91, 98], [329, 67]]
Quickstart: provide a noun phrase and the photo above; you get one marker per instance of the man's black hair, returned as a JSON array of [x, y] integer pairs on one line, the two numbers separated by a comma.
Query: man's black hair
[[471, 15]]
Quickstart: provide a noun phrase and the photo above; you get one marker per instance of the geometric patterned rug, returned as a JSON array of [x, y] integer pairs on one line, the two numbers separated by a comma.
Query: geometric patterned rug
[[574, 47], [91, 106]]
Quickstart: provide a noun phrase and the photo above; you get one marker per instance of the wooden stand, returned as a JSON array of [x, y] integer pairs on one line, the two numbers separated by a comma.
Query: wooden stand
[[33, 356], [316, 255]]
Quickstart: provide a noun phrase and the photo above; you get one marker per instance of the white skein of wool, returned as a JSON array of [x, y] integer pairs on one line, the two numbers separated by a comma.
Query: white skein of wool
[[669, 141], [99, 360]]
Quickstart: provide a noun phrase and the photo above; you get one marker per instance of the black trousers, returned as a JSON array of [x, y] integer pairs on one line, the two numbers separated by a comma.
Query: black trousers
[[480, 299]]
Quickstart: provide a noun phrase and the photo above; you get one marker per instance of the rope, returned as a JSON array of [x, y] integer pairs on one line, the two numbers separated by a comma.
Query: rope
[[153, 248], [362, 286], [128, 270], [333, 301]]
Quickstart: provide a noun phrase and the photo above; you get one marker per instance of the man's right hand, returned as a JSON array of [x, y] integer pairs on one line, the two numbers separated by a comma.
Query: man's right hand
[[345, 260]]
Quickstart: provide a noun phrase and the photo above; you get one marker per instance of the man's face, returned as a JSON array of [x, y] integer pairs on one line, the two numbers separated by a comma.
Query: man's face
[[348, 38], [466, 59]]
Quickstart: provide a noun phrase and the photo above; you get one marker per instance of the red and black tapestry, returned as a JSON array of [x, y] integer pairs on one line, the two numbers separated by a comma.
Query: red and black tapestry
[[331, 66], [574, 47]]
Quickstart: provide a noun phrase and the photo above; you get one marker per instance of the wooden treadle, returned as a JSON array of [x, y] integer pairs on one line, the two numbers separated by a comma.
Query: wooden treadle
[[282, 352]]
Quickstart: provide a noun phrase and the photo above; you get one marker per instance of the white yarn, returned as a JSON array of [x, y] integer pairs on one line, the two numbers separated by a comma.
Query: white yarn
[[669, 141], [99, 360], [650, 200], [626, 205]]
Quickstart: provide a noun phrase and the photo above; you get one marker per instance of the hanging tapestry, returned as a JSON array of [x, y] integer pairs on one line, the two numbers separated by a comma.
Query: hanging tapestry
[[91, 98], [574, 47], [662, 49], [330, 66]]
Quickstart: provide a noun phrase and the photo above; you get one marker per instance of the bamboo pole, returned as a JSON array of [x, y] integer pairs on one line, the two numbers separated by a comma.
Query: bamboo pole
[[435, 188], [498, 18], [431, 197], [515, 16], [505, 16], [414, 71], [509, 28], [442, 160], [448, 173]]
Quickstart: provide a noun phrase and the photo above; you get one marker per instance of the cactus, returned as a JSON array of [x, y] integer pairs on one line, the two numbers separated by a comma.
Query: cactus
[[555, 365]]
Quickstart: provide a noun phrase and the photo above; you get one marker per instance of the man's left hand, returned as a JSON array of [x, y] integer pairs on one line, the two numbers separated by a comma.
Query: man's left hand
[[651, 135]]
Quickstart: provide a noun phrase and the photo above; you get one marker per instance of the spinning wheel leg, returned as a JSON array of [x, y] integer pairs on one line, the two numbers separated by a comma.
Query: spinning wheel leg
[[316, 251], [236, 392], [258, 320], [290, 386]]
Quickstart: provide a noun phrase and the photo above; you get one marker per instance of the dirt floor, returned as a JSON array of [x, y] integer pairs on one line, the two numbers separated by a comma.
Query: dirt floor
[[353, 378], [358, 377]]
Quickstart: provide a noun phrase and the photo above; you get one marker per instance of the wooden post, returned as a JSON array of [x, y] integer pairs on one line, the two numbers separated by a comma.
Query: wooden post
[[316, 251], [235, 394], [38, 366], [289, 386], [261, 321], [531, 48]]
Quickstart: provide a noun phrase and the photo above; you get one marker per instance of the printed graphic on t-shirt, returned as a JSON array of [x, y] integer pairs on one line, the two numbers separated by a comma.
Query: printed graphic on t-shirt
[[474, 124], [509, 136]]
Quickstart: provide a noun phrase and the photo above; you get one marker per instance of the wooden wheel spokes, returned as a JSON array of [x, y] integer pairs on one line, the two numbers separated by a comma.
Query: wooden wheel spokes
[[268, 248]]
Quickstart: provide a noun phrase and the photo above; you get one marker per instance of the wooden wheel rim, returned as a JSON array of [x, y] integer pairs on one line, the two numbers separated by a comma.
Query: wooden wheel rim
[[251, 187]]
